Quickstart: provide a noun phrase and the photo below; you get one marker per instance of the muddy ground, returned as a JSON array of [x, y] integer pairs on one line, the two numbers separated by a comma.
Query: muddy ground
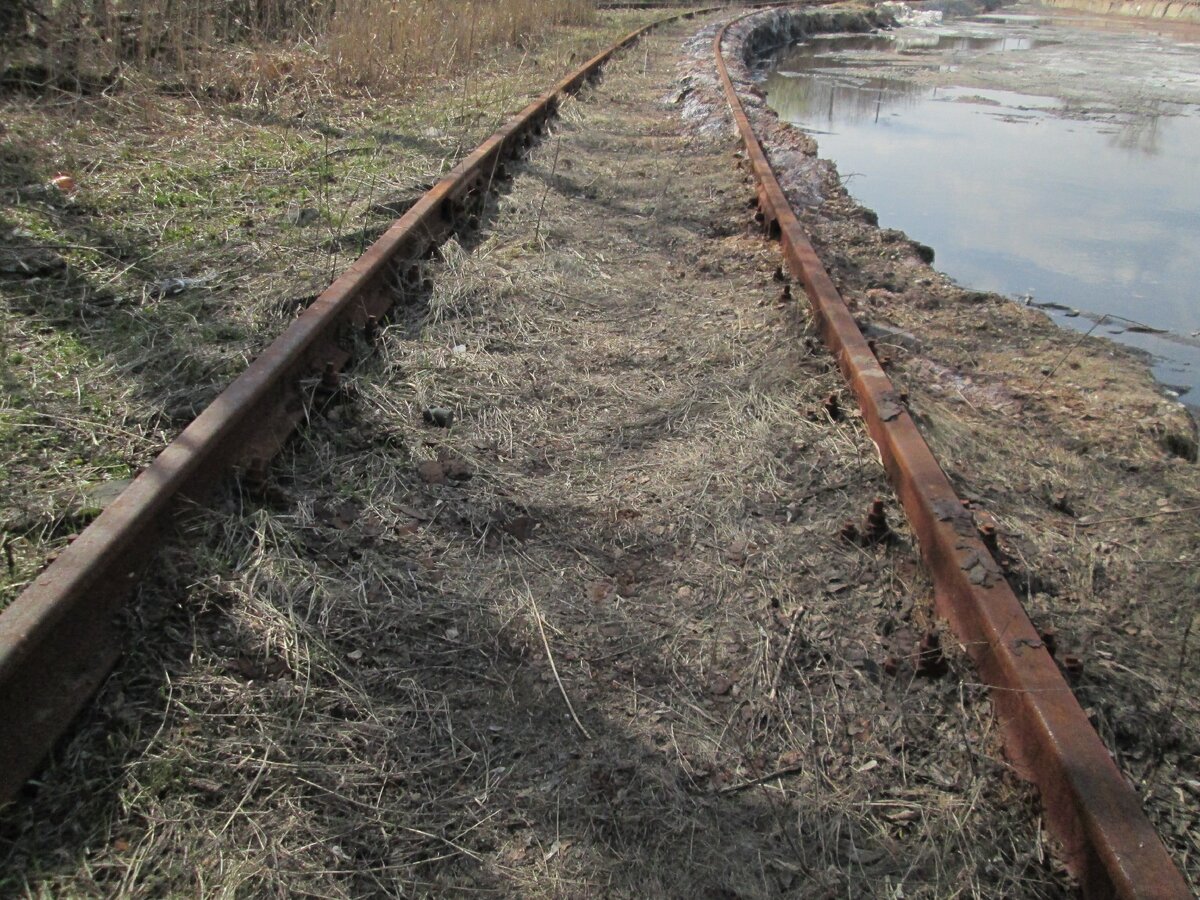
[[600, 636], [1097, 70]]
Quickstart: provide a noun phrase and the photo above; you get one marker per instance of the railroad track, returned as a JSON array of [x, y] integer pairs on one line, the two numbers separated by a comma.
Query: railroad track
[[60, 638], [1109, 843]]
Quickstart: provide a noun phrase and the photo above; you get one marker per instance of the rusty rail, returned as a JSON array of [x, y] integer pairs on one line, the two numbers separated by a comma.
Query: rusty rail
[[1108, 843], [61, 637]]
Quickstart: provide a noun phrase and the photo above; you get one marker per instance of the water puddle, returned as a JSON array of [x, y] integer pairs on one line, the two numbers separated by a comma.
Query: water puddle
[[1090, 210]]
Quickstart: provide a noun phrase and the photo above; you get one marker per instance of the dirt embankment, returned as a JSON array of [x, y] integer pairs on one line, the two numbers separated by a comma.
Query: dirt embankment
[[1066, 441], [1178, 10]]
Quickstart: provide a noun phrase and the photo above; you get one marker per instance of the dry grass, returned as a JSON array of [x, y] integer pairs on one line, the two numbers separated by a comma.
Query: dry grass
[[261, 201], [1088, 472], [394, 41], [377, 43], [358, 684], [1100, 532]]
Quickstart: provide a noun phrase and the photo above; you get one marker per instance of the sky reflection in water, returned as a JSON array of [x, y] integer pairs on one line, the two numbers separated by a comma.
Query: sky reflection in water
[[1103, 216]]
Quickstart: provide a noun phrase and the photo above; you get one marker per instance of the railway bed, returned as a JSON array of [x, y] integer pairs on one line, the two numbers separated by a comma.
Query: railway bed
[[610, 612]]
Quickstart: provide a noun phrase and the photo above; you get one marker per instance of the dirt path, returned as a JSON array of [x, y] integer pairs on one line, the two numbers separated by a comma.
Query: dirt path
[[600, 637]]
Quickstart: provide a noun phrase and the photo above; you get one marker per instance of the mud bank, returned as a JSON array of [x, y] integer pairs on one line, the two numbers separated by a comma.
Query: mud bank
[[814, 185], [1093, 121], [1182, 12], [755, 39], [1064, 439]]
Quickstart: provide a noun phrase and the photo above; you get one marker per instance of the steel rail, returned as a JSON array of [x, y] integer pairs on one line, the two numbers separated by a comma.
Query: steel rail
[[1108, 842], [62, 635]]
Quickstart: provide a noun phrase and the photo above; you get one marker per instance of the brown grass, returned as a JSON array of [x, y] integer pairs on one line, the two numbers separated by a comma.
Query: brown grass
[[370, 679], [391, 41], [97, 371], [1086, 470], [363, 42]]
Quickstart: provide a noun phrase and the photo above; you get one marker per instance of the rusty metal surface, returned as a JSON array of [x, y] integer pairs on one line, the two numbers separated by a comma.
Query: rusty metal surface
[[1107, 841], [60, 638]]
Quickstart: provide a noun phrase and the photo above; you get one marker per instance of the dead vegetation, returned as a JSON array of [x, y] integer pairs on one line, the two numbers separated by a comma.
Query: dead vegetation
[[194, 228], [602, 635], [94, 46], [599, 636], [1088, 473]]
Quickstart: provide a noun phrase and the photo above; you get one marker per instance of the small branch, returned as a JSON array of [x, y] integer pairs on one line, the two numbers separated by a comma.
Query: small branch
[[783, 654], [1149, 515], [778, 773], [1100, 321], [537, 229], [347, 151], [1183, 658], [537, 617]]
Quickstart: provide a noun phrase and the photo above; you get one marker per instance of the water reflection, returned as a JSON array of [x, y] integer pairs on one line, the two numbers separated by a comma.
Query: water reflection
[[840, 51], [1017, 193], [821, 104], [1139, 134]]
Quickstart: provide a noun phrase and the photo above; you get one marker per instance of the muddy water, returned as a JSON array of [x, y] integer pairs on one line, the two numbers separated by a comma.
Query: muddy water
[[1044, 157]]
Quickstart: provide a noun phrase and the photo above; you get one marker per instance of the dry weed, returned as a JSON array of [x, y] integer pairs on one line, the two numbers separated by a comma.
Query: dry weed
[[380, 43], [636, 510], [200, 226], [1068, 447]]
